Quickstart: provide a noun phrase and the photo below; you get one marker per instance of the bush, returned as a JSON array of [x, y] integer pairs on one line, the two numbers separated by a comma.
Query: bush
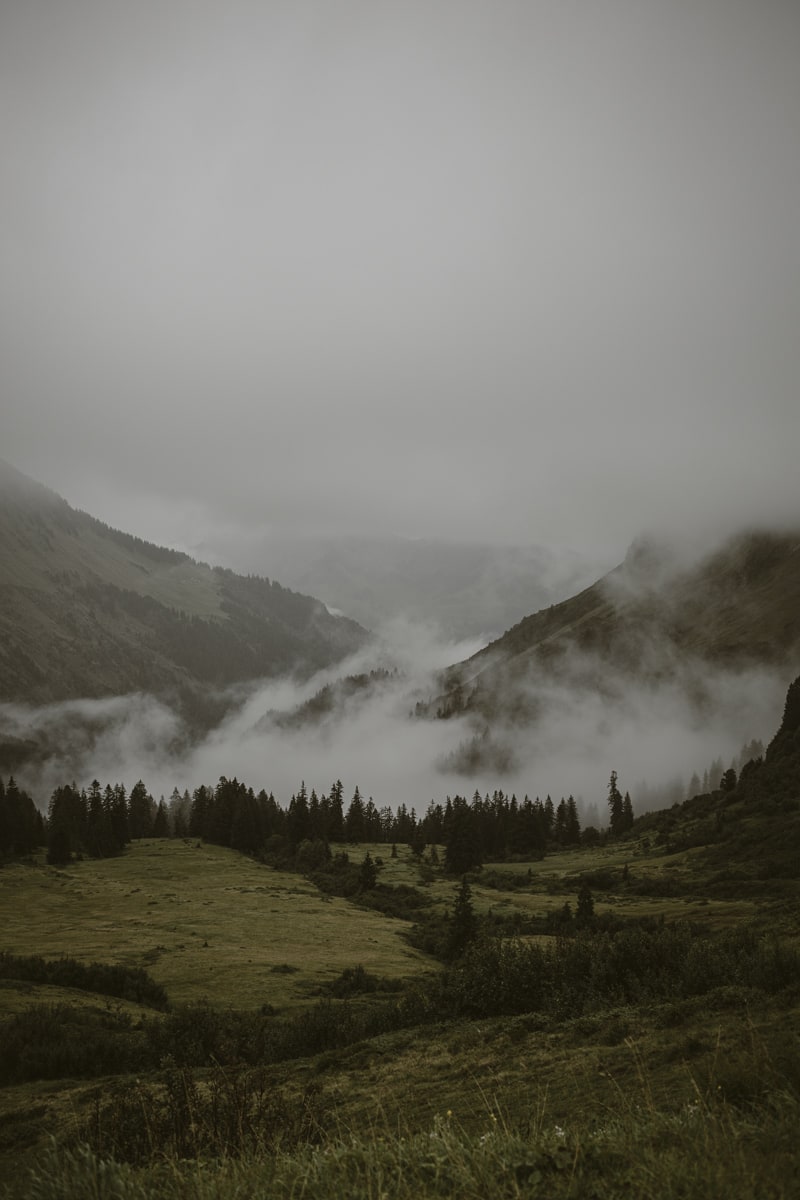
[[56, 1041], [125, 983], [226, 1115]]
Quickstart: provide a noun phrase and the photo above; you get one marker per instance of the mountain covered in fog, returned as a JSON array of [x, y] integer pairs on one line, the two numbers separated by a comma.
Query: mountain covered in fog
[[657, 619], [88, 611], [464, 589]]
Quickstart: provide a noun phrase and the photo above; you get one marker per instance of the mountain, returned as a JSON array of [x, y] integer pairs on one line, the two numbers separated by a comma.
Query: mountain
[[465, 589], [749, 827], [88, 611], [654, 618]]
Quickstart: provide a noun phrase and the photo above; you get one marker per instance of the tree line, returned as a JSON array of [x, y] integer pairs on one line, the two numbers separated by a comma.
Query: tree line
[[101, 821]]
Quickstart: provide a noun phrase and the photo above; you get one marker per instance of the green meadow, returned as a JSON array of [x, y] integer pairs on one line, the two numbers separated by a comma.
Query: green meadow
[[662, 1096]]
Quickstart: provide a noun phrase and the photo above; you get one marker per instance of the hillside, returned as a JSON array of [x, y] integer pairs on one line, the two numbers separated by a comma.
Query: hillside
[[88, 611], [652, 619], [650, 1049]]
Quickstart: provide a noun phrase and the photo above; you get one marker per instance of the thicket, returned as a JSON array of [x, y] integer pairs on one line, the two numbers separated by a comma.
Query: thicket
[[225, 1114], [579, 975], [591, 970], [64, 1041], [106, 979]]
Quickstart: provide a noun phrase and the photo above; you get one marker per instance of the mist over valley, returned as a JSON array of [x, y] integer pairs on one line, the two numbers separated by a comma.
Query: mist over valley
[[659, 668]]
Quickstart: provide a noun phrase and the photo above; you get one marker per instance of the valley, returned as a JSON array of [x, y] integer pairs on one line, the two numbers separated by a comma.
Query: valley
[[522, 1064]]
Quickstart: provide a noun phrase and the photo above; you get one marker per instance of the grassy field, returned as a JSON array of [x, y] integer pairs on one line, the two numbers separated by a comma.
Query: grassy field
[[677, 1098], [205, 922]]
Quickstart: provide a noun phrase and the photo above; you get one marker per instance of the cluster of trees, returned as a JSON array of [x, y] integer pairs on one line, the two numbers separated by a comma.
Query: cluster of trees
[[101, 821], [620, 808], [21, 825], [650, 797], [496, 827]]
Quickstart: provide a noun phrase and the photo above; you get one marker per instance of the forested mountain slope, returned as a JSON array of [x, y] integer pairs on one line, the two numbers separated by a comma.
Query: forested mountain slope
[[88, 611], [649, 619]]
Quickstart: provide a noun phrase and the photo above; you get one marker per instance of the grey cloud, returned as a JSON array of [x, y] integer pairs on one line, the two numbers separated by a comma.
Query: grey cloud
[[513, 272], [647, 732]]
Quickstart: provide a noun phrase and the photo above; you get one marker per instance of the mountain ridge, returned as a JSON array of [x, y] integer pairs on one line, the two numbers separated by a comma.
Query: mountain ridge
[[90, 611], [650, 617]]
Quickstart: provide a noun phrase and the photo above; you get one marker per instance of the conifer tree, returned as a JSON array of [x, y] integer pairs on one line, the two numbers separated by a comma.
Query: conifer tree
[[462, 851], [615, 803], [367, 874], [463, 925]]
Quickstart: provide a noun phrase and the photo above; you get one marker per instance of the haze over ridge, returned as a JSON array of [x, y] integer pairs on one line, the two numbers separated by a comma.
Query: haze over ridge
[[572, 727]]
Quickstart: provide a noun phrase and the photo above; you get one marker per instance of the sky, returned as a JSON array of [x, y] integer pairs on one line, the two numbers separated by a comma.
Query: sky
[[519, 272]]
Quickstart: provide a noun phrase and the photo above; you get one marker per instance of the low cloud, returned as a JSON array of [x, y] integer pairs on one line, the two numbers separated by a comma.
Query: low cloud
[[647, 732]]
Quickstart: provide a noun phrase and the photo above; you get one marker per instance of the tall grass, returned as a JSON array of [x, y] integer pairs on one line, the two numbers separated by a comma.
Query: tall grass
[[709, 1151]]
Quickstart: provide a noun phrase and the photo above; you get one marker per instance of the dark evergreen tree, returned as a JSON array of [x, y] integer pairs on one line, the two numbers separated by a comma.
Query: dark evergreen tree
[[200, 815], [58, 847], [141, 810], [463, 924], [462, 851], [99, 841], [728, 781], [117, 806], [161, 821], [549, 816], [572, 825], [67, 820], [354, 822], [247, 833], [367, 874], [299, 818], [560, 824], [20, 832], [615, 802], [336, 826]]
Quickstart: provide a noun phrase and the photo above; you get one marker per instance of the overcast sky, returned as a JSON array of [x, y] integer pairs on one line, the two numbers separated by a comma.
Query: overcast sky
[[527, 272]]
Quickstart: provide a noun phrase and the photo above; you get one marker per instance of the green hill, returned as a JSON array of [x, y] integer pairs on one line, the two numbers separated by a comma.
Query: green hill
[[654, 1051], [88, 611], [651, 619]]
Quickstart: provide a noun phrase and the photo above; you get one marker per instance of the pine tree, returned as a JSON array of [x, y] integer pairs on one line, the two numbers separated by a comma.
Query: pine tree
[[367, 874], [336, 822], [615, 803], [354, 821], [463, 925], [160, 822], [572, 828], [140, 811], [462, 851]]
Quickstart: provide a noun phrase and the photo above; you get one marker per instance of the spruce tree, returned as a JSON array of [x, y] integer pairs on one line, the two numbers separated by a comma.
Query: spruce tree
[[367, 874], [615, 803], [463, 925]]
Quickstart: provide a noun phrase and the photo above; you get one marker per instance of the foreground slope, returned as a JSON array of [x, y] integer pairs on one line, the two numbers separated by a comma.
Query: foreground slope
[[632, 1073], [88, 611]]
